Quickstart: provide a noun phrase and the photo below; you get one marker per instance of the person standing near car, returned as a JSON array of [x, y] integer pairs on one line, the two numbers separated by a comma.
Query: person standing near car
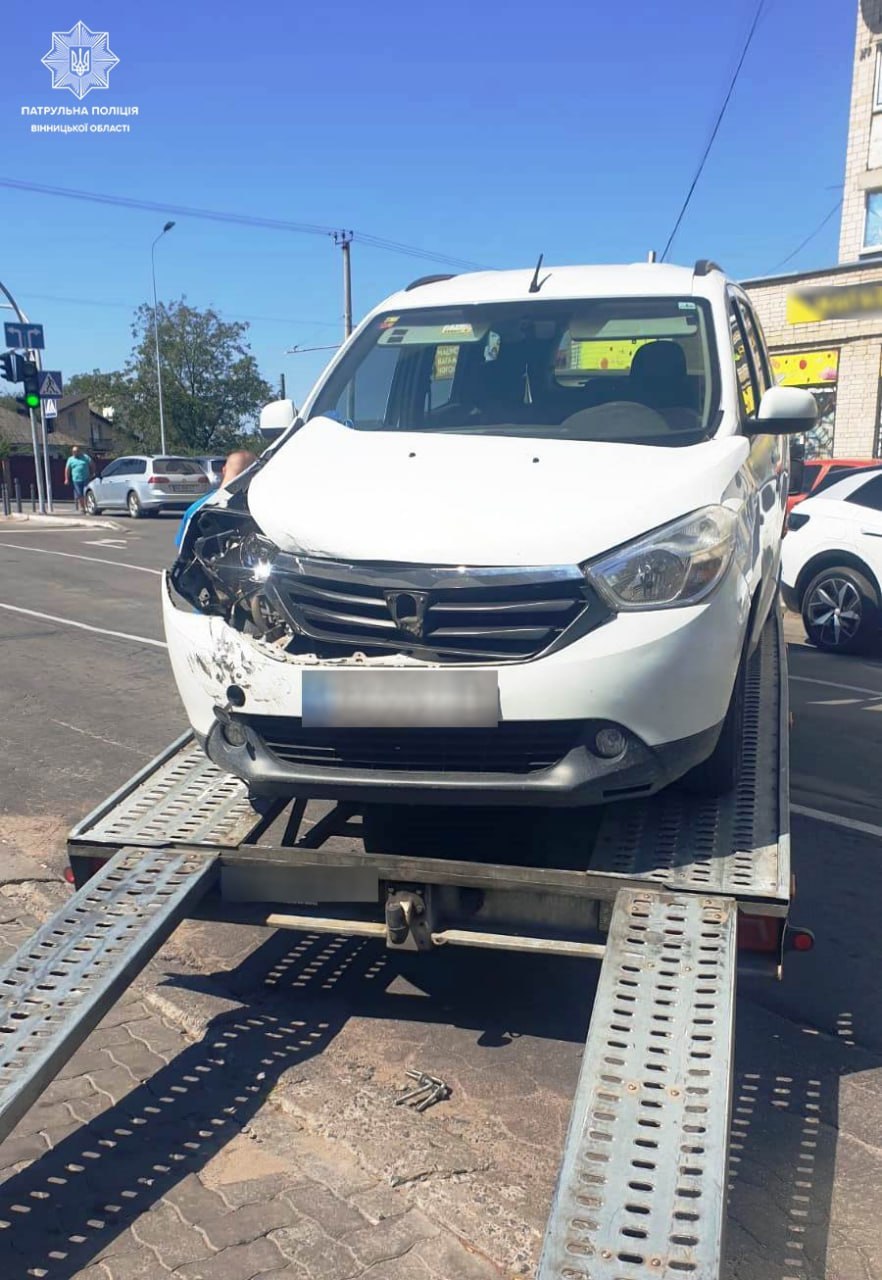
[[237, 462], [78, 472]]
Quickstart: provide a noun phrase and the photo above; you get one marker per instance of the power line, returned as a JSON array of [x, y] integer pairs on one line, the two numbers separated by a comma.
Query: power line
[[716, 128], [799, 248], [239, 219], [221, 311]]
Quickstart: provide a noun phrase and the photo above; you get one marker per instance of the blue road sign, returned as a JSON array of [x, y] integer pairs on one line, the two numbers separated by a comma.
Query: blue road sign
[[24, 337], [50, 384]]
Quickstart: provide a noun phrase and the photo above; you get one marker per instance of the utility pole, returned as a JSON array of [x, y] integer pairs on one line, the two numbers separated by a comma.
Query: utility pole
[[344, 240], [38, 466], [282, 394], [168, 226]]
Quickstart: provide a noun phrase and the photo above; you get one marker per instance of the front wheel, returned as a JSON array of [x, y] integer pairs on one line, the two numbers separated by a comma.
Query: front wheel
[[91, 505], [840, 610], [133, 502]]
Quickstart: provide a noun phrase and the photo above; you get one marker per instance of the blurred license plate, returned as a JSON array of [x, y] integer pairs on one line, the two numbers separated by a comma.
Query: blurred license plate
[[363, 699]]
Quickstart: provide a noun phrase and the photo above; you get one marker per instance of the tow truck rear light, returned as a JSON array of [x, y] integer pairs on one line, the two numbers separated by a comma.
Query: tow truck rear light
[[759, 933], [799, 940]]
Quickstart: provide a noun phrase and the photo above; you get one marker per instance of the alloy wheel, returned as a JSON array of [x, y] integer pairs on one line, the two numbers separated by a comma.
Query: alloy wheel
[[834, 611]]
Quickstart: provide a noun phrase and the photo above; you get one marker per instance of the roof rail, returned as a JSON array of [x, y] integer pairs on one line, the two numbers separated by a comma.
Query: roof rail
[[704, 266], [418, 284]]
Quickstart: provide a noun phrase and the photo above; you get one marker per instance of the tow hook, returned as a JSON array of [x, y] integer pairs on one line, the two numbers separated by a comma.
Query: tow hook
[[407, 923]]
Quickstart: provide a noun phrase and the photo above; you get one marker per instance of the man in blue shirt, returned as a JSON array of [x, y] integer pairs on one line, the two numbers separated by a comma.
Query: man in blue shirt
[[77, 472], [238, 461]]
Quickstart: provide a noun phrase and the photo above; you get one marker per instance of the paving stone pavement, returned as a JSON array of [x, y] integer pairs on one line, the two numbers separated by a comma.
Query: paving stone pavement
[[154, 1153]]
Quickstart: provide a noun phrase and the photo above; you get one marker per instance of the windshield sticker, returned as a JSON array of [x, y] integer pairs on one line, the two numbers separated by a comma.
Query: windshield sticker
[[686, 306], [491, 347], [464, 330], [444, 364], [390, 322]]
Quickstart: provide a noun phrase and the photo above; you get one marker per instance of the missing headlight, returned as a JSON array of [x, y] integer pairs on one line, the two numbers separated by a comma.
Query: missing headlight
[[224, 564]]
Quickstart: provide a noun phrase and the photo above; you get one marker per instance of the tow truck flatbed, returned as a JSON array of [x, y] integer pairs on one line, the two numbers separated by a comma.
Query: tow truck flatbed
[[658, 888]]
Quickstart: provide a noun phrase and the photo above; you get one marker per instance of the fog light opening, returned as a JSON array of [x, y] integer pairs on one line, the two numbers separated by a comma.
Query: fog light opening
[[610, 742], [234, 734]]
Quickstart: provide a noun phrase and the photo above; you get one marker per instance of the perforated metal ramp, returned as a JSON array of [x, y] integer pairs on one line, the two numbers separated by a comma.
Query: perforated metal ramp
[[58, 986], [641, 1190], [737, 845], [178, 798]]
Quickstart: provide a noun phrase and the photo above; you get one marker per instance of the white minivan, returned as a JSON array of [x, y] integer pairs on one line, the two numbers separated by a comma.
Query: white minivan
[[515, 548]]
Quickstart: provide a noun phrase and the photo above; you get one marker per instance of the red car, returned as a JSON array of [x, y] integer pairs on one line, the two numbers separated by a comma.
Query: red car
[[818, 473]]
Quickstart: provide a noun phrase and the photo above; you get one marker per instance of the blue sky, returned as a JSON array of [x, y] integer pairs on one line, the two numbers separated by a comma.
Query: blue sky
[[489, 132]]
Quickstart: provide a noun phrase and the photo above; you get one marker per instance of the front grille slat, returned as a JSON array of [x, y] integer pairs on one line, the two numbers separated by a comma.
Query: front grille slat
[[505, 606], [492, 633], [511, 747], [468, 614], [348, 619]]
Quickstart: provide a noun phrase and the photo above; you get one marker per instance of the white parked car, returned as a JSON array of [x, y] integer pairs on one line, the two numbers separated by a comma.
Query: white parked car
[[832, 562], [515, 549]]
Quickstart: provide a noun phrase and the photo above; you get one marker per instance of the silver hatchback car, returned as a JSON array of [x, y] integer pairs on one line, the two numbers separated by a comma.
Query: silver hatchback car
[[144, 485]]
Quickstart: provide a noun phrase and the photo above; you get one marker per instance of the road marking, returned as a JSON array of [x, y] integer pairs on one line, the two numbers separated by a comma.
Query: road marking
[[70, 555], [111, 742], [84, 626], [836, 820], [105, 542], [834, 684]]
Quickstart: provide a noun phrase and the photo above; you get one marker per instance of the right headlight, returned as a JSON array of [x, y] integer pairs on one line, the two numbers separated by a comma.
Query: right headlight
[[676, 565]]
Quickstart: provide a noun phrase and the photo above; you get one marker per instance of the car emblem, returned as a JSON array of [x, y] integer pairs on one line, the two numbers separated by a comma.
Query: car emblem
[[408, 610]]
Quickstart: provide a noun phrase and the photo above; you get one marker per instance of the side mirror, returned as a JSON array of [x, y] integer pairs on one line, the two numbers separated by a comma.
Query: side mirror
[[786, 411], [276, 417]]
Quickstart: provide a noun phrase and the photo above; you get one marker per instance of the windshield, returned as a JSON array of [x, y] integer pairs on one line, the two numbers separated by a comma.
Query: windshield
[[629, 370]]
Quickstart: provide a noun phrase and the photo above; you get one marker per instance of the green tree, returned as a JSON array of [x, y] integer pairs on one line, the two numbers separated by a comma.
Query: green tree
[[212, 390]]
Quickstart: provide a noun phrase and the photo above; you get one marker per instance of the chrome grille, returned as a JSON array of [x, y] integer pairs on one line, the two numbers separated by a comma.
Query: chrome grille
[[459, 614]]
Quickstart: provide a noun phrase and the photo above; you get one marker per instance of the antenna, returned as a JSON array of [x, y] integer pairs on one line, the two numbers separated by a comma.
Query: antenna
[[536, 284]]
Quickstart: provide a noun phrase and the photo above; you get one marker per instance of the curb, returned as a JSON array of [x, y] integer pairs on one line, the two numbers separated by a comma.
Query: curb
[[58, 522]]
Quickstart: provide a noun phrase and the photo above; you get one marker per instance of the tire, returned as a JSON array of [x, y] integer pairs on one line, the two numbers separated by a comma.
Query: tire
[[133, 505], [92, 507], [840, 610], [720, 773]]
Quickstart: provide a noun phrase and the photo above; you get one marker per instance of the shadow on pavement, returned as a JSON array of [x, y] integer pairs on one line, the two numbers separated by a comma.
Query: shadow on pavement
[[60, 1213]]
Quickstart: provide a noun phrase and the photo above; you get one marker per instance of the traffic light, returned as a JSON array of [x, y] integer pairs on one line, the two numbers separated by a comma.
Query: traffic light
[[16, 368], [10, 366], [30, 376]]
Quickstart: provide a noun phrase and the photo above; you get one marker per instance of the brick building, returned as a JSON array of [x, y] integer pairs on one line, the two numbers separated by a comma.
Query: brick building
[[835, 348]]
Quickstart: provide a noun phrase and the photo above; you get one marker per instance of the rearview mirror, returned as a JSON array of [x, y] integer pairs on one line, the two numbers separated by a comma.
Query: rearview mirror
[[276, 417], [786, 411]]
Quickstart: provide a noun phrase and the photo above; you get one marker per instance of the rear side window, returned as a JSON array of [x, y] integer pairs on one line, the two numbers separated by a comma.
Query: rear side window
[[868, 494], [177, 467], [138, 467]]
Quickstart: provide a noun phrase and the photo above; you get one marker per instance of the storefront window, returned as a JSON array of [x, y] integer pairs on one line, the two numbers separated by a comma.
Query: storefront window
[[815, 371]]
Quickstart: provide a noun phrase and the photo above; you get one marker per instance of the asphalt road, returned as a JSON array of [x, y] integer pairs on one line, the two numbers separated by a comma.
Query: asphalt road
[[86, 696]]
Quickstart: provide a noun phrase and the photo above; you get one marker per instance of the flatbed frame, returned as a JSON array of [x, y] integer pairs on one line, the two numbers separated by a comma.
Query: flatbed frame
[[658, 888]]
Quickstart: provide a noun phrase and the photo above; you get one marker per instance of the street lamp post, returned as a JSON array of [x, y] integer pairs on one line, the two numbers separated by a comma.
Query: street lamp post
[[168, 226]]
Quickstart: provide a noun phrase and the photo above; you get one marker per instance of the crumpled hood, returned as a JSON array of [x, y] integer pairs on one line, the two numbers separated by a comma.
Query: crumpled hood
[[479, 500]]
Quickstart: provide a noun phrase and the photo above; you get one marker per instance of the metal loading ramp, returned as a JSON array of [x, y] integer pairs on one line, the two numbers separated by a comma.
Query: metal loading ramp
[[58, 986], [642, 1187]]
